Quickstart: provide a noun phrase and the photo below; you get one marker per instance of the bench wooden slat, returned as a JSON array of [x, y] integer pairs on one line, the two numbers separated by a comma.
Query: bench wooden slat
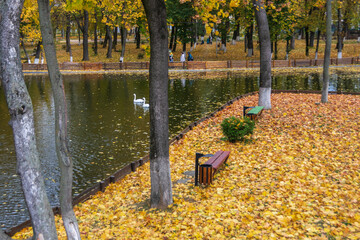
[[256, 110], [210, 167], [218, 159]]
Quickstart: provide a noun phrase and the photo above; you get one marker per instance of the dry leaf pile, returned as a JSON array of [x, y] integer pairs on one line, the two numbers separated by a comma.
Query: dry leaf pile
[[299, 178]]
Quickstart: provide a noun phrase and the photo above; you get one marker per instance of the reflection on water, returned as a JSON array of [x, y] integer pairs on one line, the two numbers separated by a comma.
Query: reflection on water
[[107, 130]]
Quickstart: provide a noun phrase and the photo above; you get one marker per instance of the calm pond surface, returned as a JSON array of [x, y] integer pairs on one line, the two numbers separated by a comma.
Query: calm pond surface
[[106, 130]]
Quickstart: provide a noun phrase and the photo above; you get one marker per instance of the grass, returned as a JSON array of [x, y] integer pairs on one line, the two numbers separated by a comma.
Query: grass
[[205, 52]]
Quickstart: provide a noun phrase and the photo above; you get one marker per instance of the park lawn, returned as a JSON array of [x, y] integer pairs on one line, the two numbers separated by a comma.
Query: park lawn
[[205, 52], [299, 178]]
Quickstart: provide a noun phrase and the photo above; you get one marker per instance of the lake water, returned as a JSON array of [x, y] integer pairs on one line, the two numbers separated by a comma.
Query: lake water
[[107, 131]]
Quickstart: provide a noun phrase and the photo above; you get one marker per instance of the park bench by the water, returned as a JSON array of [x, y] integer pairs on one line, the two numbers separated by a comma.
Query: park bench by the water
[[254, 112], [204, 173]]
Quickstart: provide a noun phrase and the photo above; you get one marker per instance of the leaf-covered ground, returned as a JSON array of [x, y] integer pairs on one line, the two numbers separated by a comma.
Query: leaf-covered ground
[[205, 52], [298, 179]]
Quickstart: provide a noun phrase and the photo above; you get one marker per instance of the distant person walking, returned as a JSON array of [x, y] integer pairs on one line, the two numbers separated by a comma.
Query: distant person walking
[[182, 57], [171, 56], [190, 57]]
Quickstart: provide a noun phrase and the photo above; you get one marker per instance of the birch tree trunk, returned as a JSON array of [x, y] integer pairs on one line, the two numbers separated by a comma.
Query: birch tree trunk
[[22, 122], [325, 86], [265, 55], [123, 42], [161, 188], [86, 36], [61, 140]]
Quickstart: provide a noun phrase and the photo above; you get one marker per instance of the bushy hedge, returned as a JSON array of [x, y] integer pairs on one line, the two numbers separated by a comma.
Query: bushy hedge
[[236, 129]]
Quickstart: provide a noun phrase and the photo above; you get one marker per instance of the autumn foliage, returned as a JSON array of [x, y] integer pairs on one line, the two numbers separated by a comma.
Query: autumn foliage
[[298, 179]]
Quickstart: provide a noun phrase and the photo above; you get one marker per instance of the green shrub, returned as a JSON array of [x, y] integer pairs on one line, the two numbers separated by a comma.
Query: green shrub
[[236, 129]]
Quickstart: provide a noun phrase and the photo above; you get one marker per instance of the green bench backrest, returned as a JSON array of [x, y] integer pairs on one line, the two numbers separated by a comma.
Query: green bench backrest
[[255, 110]]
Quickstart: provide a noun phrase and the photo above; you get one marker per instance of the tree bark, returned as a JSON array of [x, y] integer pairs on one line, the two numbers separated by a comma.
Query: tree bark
[[236, 33], [123, 43], [95, 48], [105, 39], [265, 55], [249, 38], [287, 49], [172, 37], [86, 37], [23, 46], [317, 44], [175, 40], [312, 38], [114, 42], [339, 35], [109, 33], [37, 53], [306, 41], [161, 186], [325, 86], [61, 139], [292, 45], [68, 32], [138, 37], [22, 122]]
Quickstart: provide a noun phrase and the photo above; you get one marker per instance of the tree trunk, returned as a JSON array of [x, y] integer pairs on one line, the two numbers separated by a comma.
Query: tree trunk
[[276, 49], [123, 43], [114, 42], [175, 40], [95, 48], [79, 36], [265, 55], [245, 43], [172, 37], [61, 139], [312, 38], [307, 41], [287, 49], [339, 35], [236, 33], [105, 39], [26, 53], [37, 53], [184, 46], [317, 44], [161, 186], [138, 37], [22, 122], [325, 86], [68, 32], [109, 33], [86, 37], [292, 45], [249, 37]]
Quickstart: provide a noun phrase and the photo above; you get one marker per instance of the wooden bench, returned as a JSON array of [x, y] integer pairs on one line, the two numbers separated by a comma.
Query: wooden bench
[[204, 173], [254, 112]]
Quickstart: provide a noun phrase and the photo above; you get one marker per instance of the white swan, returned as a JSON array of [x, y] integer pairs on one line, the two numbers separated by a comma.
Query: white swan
[[138, 100], [145, 105]]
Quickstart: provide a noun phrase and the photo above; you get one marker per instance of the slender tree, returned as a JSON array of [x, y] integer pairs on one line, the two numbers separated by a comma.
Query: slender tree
[[265, 55], [22, 122], [161, 189], [61, 140], [339, 33], [325, 86]]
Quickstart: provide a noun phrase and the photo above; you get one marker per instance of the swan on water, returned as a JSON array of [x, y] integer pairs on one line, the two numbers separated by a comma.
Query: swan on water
[[138, 100], [145, 105]]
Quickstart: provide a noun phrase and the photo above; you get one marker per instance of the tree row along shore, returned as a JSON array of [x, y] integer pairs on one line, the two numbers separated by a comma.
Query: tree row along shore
[[194, 64]]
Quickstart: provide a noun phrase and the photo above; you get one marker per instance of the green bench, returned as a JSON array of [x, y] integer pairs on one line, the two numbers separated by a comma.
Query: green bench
[[254, 112]]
